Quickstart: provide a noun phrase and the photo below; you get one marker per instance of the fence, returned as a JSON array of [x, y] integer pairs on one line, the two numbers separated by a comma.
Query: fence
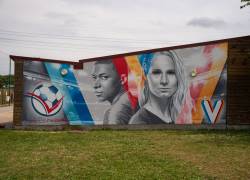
[[6, 96]]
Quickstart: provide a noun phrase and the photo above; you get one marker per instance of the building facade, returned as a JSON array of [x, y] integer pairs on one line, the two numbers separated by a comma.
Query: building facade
[[195, 85]]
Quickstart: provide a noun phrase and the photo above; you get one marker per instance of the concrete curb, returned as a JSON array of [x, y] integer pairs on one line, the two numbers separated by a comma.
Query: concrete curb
[[132, 127]]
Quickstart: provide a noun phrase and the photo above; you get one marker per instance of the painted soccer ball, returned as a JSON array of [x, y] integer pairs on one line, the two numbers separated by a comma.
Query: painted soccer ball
[[47, 100]]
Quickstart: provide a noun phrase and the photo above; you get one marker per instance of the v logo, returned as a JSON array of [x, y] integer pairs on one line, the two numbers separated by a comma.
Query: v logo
[[212, 113]]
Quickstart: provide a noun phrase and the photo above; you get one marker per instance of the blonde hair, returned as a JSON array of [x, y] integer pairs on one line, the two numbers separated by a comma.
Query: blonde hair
[[178, 98]]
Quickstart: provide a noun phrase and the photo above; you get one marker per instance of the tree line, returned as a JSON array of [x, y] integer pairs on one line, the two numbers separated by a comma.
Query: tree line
[[245, 3], [4, 80]]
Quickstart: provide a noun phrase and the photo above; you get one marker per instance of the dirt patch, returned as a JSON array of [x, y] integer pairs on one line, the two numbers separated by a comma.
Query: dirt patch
[[6, 114]]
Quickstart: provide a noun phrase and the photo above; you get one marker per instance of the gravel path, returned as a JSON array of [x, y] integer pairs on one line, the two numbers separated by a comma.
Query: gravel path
[[6, 114]]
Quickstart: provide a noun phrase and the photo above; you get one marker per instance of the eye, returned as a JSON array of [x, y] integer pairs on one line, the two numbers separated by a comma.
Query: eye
[[171, 72], [104, 77], [94, 77], [156, 71]]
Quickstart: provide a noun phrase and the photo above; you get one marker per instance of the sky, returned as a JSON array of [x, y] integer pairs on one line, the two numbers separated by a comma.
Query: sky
[[78, 29]]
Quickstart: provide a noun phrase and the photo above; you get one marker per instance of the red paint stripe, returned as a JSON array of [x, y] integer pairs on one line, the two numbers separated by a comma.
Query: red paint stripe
[[210, 106], [49, 110], [220, 109], [41, 100], [123, 70]]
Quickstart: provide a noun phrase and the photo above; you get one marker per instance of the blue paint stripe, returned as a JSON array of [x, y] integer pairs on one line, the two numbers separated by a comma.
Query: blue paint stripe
[[205, 111], [145, 61], [215, 103], [75, 106]]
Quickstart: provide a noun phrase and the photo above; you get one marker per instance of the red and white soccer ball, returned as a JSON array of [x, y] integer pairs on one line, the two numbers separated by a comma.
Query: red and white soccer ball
[[46, 99]]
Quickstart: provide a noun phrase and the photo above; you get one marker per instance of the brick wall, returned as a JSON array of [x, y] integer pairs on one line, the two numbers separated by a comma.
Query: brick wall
[[238, 79], [18, 93]]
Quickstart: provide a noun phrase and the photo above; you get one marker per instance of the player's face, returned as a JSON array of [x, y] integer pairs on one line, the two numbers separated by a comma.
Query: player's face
[[162, 79], [106, 82]]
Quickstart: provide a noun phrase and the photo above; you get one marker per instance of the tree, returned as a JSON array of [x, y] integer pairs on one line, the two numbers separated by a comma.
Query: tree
[[247, 3], [4, 80]]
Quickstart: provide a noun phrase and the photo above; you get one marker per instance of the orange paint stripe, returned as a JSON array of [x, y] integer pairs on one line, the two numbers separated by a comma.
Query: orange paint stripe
[[208, 89]]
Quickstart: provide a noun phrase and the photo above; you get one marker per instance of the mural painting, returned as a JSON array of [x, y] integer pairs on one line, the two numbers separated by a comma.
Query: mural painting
[[181, 86]]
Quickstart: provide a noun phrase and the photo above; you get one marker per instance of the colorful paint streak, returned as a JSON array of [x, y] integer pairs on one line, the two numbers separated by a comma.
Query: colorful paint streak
[[121, 88], [212, 112], [75, 109]]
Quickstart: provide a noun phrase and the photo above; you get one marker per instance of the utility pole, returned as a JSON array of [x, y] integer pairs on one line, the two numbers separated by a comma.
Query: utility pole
[[9, 80]]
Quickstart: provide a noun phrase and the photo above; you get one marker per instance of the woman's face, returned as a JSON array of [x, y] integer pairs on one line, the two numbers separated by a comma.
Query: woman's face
[[162, 79]]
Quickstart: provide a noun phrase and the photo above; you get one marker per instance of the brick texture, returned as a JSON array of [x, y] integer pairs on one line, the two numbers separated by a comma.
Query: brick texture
[[238, 79], [18, 93]]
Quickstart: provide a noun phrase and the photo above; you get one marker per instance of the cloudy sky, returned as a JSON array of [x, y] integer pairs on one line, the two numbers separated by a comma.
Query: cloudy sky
[[79, 29]]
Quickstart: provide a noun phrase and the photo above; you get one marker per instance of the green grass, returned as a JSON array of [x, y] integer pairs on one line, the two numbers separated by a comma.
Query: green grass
[[125, 155]]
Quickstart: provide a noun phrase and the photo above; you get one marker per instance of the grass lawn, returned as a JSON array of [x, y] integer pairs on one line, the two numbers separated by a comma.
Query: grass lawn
[[125, 155]]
